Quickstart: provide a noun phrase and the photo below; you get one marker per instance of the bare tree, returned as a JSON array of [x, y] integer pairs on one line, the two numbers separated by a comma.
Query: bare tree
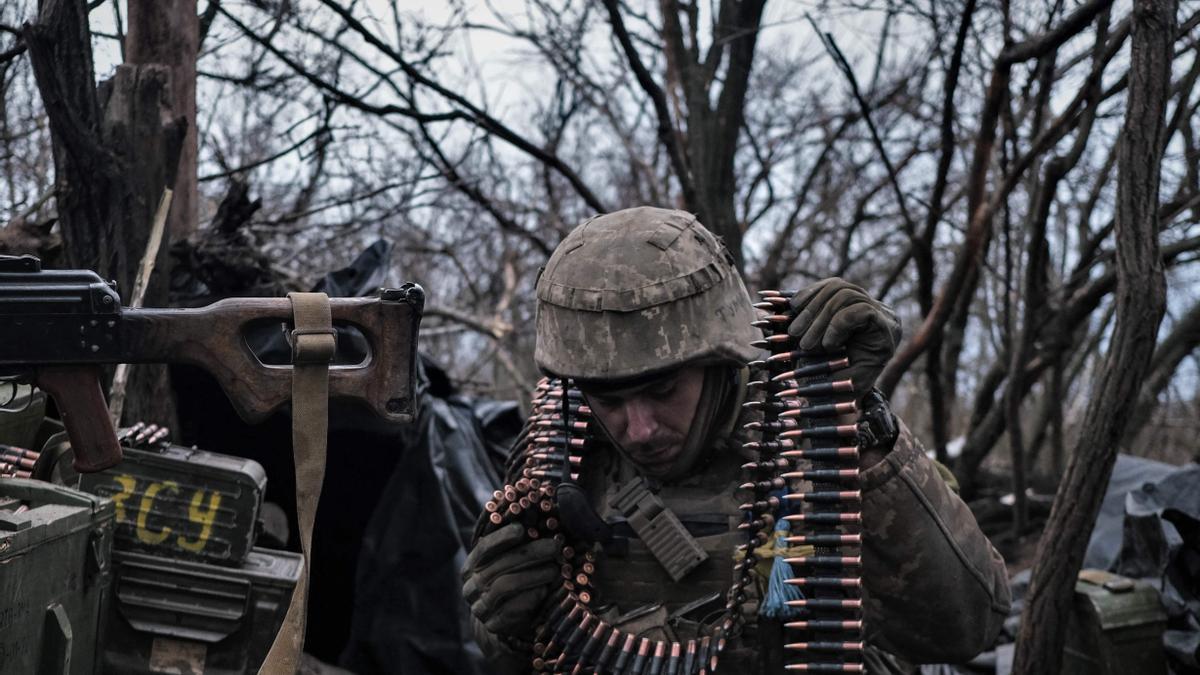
[[115, 150], [993, 127], [168, 33], [958, 159], [1141, 298]]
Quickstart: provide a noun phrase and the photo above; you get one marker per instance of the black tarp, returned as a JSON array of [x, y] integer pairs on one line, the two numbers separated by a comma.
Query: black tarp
[[408, 614], [1148, 528], [398, 503], [1160, 542], [1129, 473]]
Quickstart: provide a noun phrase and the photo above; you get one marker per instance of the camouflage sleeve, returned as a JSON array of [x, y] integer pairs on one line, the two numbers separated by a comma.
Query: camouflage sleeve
[[503, 658], [936, 590]]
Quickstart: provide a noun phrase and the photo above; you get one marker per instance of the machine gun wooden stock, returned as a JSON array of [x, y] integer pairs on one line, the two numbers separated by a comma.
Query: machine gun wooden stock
[[57, 327]]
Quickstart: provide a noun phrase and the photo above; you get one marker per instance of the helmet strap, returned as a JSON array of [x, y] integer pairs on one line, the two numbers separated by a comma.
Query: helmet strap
[[716, 415]]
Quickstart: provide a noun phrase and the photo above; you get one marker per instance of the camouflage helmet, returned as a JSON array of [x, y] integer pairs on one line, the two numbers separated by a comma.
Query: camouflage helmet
[[639, 291]]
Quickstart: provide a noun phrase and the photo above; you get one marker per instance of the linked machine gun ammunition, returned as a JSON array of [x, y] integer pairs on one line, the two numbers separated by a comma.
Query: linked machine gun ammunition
[[805, 473]]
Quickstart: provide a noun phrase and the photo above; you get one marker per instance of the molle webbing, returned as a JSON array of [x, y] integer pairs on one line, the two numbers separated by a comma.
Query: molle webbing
[[660, 529]]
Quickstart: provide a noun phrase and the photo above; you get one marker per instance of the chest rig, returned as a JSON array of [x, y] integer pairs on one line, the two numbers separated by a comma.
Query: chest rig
[[796, 466]]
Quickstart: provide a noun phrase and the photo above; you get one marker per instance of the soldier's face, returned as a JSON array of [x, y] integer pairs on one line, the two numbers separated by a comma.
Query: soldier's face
[[651, 420]]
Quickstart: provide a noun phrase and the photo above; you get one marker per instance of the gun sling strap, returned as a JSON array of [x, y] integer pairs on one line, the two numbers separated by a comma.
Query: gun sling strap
[[313, 345]]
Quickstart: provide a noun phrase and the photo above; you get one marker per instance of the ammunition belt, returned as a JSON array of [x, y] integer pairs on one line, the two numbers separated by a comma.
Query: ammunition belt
[[17, 462], [571, 638], [798, 443], [802, 446]]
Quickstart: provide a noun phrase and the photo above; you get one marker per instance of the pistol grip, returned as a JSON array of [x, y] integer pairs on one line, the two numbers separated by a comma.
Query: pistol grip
[[76, 390]]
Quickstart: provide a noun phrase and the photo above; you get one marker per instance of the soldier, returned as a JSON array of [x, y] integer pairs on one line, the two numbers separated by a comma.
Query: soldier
[[645, 311]]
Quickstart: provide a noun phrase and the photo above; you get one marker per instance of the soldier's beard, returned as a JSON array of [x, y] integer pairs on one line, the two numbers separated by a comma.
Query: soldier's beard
[[720, 383], [657, 456], [672, 455]]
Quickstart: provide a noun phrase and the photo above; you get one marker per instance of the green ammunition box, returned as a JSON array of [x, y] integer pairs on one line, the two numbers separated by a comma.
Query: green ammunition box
[[190, 618], [1116, 627], [55, 574], [182, 503]]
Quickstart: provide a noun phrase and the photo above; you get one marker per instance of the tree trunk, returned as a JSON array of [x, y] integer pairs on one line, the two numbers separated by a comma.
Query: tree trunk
[[1178, 345], [138, 126], [85, 173], [115, 151], [167, 32], [1141, 299]]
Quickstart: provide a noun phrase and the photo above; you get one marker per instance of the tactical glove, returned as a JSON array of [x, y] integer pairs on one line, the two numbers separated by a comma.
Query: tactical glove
[[833, 314], [507, 578]]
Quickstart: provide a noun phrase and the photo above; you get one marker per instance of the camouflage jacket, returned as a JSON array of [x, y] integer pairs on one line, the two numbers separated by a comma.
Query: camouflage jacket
[[935, 588]]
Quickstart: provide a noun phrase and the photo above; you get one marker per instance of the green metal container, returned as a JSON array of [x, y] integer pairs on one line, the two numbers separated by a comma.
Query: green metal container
[[190, 618], [1116, 627], [183, 503], [55, 572]]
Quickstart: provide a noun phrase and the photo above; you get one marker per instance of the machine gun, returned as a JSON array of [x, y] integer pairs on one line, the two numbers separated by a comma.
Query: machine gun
[[58, 327]]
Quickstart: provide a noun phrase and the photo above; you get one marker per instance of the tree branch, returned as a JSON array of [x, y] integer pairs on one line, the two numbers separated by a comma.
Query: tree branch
[[665, 127], [961, 281], [472, 112], [1141, 299], [910, 227]]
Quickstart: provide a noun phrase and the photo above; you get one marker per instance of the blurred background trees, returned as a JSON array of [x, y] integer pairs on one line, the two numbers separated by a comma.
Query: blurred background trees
[[958, 159]]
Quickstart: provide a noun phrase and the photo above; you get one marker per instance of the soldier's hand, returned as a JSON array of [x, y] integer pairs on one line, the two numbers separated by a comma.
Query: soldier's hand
[[507, 578], [833, 314]]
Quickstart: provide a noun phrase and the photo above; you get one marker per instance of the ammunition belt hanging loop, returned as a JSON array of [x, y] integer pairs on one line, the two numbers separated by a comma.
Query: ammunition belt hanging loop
[[569, 638], [314, 342], [800, 440]]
